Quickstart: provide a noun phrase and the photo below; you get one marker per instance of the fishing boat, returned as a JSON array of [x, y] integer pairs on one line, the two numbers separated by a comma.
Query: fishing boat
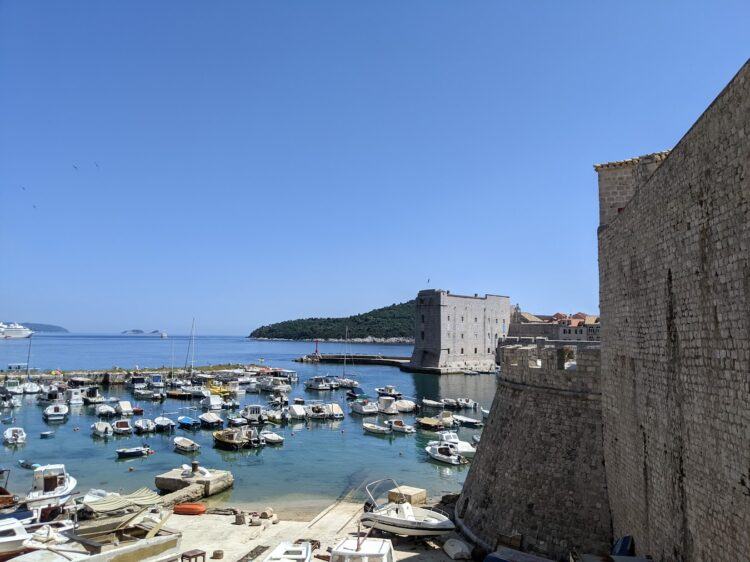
[[47, 434], [317, 383], [364, 407], [333, 382], [134, 452], [466, 403], [388, 390], [30, 387], [13, 386], [430, 424], [467, 421], [445, 453], [144, 425], [212, 402], [210, 420], [376, 429], [363, 550], [105, 411], [56, 413], [186, 422], [8, 500], [232, 438], [355, 393], [142, 392], [51, 486], [463, 448], [122, 427], [74, 396], [386, 405], [254, 438], [405, 406], [427, 403], [124, 408], [401, 518], [399, 426], [237, 421], [254, 414], [14, 436], [185, 445], [278, 416], [91, 396], [49, 395], [101, 429], [289, 552], [272, 438], [163, 424]]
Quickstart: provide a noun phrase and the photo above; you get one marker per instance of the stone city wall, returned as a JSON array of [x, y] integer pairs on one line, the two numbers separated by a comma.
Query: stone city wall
[[674, 269]]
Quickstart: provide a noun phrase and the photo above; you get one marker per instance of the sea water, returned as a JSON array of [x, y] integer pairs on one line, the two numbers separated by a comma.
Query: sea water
[[319, 461]]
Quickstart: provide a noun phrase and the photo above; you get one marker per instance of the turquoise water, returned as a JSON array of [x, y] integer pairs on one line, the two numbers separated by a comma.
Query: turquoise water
[[318, 461]]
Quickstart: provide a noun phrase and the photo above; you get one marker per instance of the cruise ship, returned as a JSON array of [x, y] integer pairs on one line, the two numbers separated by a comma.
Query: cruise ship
[[12, 331]]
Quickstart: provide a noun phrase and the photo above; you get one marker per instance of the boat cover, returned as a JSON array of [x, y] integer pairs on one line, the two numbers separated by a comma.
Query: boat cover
[[140, 498]]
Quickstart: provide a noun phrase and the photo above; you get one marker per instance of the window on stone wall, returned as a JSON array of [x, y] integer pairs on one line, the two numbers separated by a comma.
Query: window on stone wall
[[475, 319], [449, 351], [488, 350], [462, 351], [462, 336], [475, 351], [462, 319], [423, 336]]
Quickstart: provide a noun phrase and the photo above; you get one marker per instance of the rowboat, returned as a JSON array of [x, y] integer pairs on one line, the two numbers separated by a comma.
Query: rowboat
[[122, 427], [185, 445], [469, 422], [271, 437], [467, 403], [376, 429], [399, 426], [427, 403], [134, 452], [56, 413]]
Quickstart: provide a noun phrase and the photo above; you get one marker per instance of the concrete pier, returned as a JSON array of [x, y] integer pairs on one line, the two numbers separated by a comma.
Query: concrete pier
[[212, 481]]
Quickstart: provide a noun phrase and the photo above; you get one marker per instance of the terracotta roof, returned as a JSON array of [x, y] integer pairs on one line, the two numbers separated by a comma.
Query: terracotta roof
[[657, 156], [528, 317]]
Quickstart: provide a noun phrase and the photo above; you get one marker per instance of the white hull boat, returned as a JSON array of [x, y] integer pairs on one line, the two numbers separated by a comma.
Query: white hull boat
[[466, 403], [427, 403], [402, 518], [364, 407], [102, 429], [13, 386], [398, 426], [56, 413], [405, 406], [209, 419], [463, 448], [212, 402], [14, 436], [288, 552], [485, 413], [124, 408], [105, 411], [363, 550], [297, 412], [52, 486], [144, 425], [163, 423], [386, 405], [122, 427], [185, 445], [74, 397], [445, 453], [376, 429], [468, 422], [388, 390], [317, 383], [271, 437], [31, 388]]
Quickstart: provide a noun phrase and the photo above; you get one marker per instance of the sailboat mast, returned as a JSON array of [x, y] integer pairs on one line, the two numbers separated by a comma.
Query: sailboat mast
[[190, 347], [28, 358]]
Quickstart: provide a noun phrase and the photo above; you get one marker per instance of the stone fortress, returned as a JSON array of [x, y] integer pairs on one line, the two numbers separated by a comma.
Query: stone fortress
[[454, 333], [652, 439]]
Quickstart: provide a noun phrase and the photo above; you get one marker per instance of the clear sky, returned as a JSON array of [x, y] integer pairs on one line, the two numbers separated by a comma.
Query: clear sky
[[246, 162]]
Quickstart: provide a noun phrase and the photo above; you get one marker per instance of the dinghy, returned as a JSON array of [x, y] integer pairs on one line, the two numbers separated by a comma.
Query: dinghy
[[450, 403], [355, 393], [271, 437], [163, 424], [185, 445], [288, 552], [186, 422], [400, 427], [14, 436], [237, 421], [105, 411], [401, 518], [210, 420], [134, 452], [47, 434], [101, 429], [376, 429], [445, 453], [122, 427], [144, 425]]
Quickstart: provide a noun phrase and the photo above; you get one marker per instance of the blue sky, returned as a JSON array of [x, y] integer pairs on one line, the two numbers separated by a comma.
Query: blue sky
[[246, 162]]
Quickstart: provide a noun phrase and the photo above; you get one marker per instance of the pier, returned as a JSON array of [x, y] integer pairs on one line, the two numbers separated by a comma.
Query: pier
[[357, 359]]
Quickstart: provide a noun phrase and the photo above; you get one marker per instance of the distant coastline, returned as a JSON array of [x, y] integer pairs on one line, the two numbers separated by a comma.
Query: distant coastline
[[386, 341]]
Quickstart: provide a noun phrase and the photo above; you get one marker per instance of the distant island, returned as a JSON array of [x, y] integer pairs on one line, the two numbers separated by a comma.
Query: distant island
[[141, 333], [391, 324], [38, 327]]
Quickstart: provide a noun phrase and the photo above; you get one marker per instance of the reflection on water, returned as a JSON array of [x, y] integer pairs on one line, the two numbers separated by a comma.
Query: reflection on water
[[319, 459]]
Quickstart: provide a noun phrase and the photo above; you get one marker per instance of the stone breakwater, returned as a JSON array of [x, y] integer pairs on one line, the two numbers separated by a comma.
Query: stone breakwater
[[538, 476]]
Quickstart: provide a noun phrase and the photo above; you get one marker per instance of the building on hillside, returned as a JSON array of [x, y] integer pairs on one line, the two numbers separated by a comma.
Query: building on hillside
[[454, 333]]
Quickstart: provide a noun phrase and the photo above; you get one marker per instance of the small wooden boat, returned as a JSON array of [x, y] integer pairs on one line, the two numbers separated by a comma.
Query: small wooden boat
[[376, 429], [186, 422], [47, 434], [400, 427], [230, 438], [122, 427], [210, 420], [134, 452], [185, 445], [271, 437], [189, 509]]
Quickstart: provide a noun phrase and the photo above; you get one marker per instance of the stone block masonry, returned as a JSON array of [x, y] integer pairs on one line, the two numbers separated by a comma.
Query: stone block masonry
[[674, 266], [539, 469]]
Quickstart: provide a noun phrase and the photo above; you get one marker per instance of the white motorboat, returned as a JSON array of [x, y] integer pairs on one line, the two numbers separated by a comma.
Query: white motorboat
[[12, 536], [237, 421], [156, 381], [105, 411], [345, 382], [476, 439], [399, 426], [485, 413], [376, 429], [446, 453], [401, 518], [271, 437], [333, 382], [56, 413], [364, 407], [91, 396], [464, 448], [122, 427], [254, 414], [405, 406], [427, 403], [316, 411], [74, 396], [388, 390], [449, 403], [209, 419], [31, 388], [144, 425], [134, 452], [466, 403], [14, 436], [363, 550], [163, 423], [51, 486], [297, 412], [288, 552], [467, 421], [14, 386], [143, 393], [335, 412], [273, 384], [185, 445], [50, 395], [102, 429], [317, 383], [212, 402], [124, 408], [386, 405]]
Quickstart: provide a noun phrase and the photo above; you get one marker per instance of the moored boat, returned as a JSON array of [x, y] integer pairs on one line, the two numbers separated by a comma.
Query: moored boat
[[364, 407], [386, 405], [101, 429], [272, 438], [134, 452], [51, 486], [144, 425], [14, 436], [122, 427], [232, 438], [405, 406], [163, 423], [363, 550], [290, 552], [467, 421], [105, 411], [210, 420], [463, 448], [236, 421], [186, 422], [427, 403], [56, 413], [445, 453], [317, 383], [466, 403], [399, 426], [388, 390], [30, 387], [185, 445], [124, 408], [376, 429]]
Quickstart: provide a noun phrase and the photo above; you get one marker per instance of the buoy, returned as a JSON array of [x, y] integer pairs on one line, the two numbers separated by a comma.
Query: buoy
[[189, 509], [131, 469]]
